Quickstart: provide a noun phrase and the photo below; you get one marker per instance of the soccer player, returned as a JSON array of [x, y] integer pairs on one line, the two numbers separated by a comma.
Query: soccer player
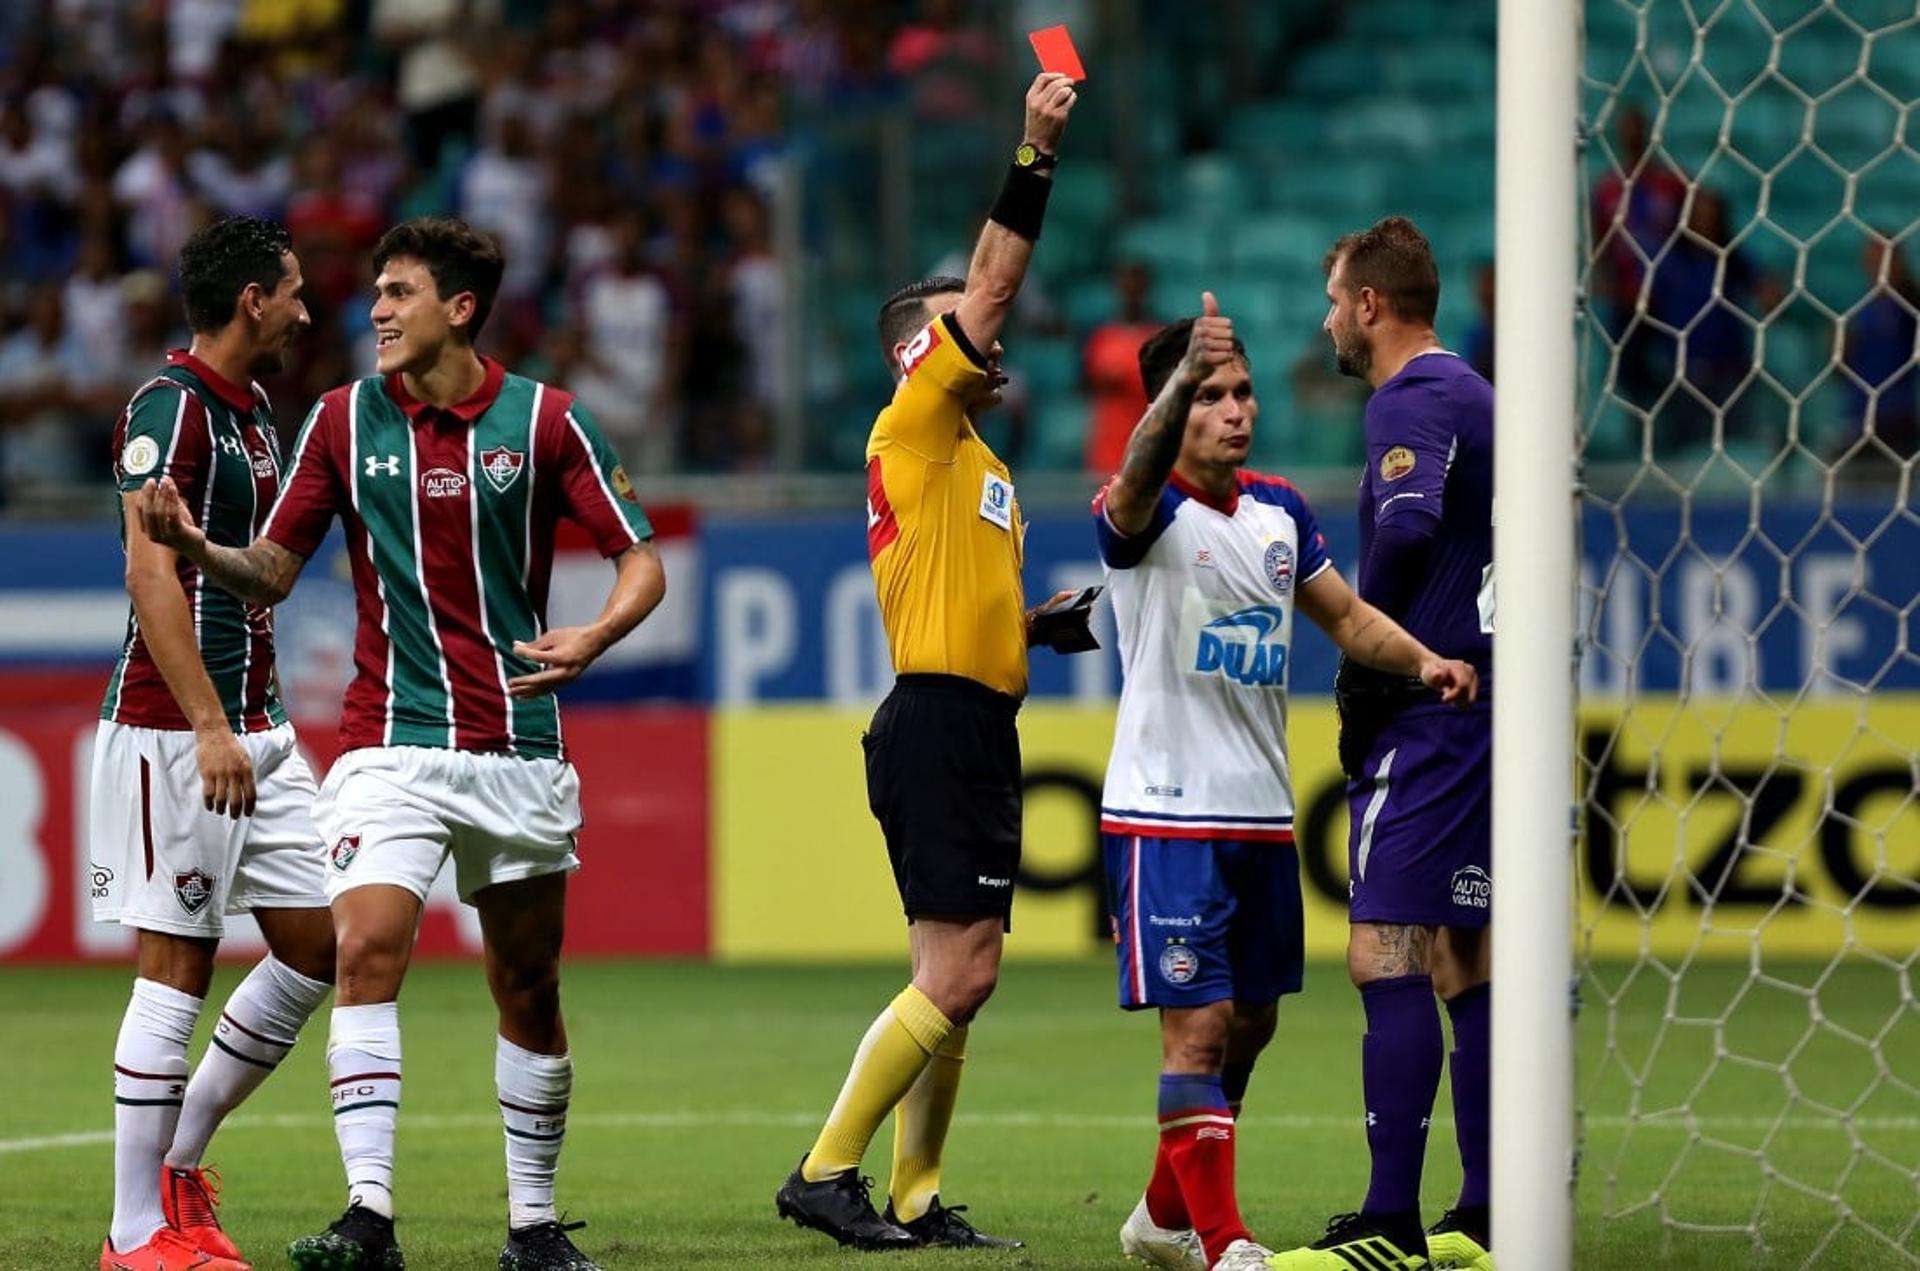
[[450, 475], [1419, 777], [200, 803], [942, 754], [1205, 561]]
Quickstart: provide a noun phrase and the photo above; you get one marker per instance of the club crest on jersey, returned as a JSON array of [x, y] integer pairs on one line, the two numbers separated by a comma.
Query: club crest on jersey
[[1278, 565], [345, 848], [1179, 963], [140, 456], [443, 483], [1396, 463], [502, 467], [1244, 646], [193, 889], [1473, 888]]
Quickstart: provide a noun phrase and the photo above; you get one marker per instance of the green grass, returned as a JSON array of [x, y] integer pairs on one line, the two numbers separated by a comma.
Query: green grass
[[698, 1087]]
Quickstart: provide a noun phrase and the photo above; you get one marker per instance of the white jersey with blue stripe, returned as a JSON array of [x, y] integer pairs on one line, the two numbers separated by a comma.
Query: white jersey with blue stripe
[[1203, 598]]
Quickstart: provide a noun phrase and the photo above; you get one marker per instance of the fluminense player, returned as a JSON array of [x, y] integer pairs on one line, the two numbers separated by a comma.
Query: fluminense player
[[944, 538], [1419, 777], [450, 475], [201, 805], [1205, 562]]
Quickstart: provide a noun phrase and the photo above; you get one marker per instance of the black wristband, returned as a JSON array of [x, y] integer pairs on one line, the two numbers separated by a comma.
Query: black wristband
[[1022, 204]]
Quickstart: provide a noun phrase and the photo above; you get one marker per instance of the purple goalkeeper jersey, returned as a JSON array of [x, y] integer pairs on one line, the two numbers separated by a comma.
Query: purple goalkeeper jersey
[[1429, 476]]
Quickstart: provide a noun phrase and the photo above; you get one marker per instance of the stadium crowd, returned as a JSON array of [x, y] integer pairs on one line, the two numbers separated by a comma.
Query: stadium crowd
[[619, 151]]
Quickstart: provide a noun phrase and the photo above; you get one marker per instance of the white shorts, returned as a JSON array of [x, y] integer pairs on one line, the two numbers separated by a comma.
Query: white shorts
[[162, 862], [392, 814]]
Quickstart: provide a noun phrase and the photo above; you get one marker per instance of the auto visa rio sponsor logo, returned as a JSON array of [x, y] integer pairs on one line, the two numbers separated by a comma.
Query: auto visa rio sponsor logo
[[1244, 647]]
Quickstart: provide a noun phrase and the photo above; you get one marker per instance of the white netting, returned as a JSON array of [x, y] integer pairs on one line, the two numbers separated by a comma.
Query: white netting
[[1750, 695]]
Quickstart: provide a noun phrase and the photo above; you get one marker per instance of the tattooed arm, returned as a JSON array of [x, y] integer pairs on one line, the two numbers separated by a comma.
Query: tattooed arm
[[1371, 638], [1155, 444], [261, 573]]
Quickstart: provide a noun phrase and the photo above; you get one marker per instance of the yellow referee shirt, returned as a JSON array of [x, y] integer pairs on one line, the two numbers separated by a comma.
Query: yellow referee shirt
[[944, 532]]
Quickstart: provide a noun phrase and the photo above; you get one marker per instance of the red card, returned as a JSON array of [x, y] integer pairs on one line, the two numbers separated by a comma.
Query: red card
[[1056, 52]]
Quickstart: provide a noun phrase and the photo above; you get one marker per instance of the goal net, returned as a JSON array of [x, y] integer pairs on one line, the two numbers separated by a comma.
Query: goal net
[[1748, 855]]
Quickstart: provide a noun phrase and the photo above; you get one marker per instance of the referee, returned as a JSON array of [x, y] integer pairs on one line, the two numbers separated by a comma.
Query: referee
[[943, 759]]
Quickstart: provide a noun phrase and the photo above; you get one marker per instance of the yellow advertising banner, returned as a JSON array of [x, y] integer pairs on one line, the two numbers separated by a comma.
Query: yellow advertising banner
[[1824, 803]]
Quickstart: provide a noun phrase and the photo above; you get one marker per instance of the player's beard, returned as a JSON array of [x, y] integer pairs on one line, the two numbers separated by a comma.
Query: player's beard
[[1352, 355]]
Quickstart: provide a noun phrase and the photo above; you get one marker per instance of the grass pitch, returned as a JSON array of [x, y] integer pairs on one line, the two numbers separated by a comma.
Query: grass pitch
[[698, 1087]]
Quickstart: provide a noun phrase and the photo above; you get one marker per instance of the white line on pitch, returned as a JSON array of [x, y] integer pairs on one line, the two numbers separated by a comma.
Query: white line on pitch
[[991, 1120]]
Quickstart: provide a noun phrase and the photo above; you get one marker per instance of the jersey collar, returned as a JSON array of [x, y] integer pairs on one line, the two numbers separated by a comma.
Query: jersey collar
[[225, 389], [1226, 507], [466, 412]]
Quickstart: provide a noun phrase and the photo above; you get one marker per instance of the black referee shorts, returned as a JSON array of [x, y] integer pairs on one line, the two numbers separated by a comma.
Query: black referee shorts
[[943, 779]]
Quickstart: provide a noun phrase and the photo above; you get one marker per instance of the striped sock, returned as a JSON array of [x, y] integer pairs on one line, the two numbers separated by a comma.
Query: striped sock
[[149, 1082], [363, 1059], [1197, 1132], [534, 1090], [257, 1028]]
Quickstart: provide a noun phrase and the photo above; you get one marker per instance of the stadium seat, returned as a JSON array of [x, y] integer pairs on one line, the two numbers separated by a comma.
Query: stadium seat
[[1337, 70], [1171, 244], [1284, 243]]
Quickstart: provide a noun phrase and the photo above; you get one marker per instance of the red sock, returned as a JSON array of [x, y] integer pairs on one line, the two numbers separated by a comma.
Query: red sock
[[1196, 1137], [1165, 1205]]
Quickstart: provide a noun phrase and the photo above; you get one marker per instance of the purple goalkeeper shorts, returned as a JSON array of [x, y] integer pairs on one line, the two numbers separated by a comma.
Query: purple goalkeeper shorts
[[1420, 842]]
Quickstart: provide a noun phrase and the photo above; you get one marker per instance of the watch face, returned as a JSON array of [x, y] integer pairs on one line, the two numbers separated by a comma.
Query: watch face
[[1026, 155]]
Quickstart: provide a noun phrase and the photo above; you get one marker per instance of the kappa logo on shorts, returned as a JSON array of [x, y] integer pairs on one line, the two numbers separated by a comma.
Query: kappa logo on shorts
[[1473, 888], [1178, 963], [985, 881], [193, 889], [102, 879], [345, 848]]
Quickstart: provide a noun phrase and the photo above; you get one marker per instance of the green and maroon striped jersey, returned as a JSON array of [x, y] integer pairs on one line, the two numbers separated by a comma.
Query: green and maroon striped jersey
[[450, 517], [216, 440]]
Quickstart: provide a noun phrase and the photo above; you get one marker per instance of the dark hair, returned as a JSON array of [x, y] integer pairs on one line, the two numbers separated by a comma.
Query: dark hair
[[460, 258], [904, 312], [1394, 258], [1162, 352], [221, 260]]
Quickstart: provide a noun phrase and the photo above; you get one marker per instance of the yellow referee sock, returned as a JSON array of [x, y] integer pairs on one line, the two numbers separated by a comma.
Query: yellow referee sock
[[920, 1129], [890, 1059]]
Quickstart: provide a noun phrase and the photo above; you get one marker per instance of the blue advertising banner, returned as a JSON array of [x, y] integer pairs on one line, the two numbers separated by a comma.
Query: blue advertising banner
[[1711, 600]]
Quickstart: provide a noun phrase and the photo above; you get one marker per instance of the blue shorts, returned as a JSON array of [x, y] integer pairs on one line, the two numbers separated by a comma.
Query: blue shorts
[[1197, 921], [1420, 842]]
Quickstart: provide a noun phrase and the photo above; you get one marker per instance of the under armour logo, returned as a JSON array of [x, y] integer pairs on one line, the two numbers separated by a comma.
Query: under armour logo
[[390, 465], [231, 444]]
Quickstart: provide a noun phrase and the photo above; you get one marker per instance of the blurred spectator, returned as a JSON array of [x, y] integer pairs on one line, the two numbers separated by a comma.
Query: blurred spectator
[[626, 325], [32, 164], [195, 31], [1636, 208], [1477, 347], [42, 369], [332, 225], [1110, 367], [438, 83], [505, 189], [1882, 350], [239, 169], [1704, 296], [95, 313], [949, 64], [152, 188], [151, 327], [756, 283]]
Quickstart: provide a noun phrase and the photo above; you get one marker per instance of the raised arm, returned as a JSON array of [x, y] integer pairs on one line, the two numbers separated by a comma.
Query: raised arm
[[1013, 226], [1371, 638], [261, 573], [1155, 443]]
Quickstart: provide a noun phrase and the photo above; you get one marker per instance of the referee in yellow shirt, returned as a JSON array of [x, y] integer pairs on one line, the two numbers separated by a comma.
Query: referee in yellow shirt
[[943, 759]]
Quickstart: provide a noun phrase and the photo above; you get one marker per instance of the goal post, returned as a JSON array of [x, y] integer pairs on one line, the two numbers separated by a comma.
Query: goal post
[[1536, 235]]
